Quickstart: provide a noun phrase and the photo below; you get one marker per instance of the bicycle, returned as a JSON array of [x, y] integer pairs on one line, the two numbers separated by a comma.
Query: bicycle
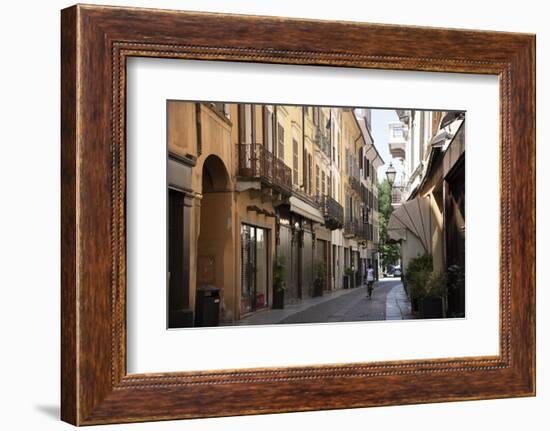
[[370, 288]]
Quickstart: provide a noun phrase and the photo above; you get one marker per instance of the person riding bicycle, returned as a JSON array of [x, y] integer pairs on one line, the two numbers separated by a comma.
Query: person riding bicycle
[[370, 280]]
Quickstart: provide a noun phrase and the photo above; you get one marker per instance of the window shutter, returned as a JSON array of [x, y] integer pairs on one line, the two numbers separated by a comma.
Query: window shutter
[[253, 123], [281, 142], [241, 124]]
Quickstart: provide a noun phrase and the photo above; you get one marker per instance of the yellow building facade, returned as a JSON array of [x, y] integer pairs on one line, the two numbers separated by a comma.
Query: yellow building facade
[[249, 184]]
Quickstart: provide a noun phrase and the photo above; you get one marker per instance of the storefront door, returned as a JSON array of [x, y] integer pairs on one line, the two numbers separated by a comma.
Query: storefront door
[[307, 267], [254, 265]]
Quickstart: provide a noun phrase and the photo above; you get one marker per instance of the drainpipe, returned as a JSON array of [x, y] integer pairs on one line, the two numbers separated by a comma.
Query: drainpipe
[[330, 152], [275, 132], [304, 161], [198, 128]]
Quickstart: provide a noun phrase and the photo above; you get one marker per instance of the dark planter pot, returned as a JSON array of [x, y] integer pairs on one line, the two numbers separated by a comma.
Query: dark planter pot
[[346, 282], [352, 278], [432, 308], [278, 299], [318, 288], [405, 287], [415, 305]]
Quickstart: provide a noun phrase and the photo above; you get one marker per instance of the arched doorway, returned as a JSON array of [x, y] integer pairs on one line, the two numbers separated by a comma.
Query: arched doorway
[[214, 246]]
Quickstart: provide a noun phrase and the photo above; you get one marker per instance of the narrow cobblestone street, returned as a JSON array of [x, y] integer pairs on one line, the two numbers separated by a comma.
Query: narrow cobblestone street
[[355, 306], [388, 302]]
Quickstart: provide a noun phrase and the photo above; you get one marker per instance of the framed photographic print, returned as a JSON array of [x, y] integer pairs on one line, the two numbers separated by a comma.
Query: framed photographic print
[[268, 215]]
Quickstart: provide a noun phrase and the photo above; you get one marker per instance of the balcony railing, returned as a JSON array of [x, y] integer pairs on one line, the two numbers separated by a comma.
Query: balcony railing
[[257, 162], [351, 228], [356, 228], [363, 231], [333, 213], [396, 195]]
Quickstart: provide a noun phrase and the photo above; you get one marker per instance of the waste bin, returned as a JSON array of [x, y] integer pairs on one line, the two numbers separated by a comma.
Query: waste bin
[[207, 308]]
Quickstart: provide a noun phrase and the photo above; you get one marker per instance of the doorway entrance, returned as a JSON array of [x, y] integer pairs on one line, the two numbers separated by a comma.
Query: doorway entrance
[[254, 268], [180, 314], [215, 245]]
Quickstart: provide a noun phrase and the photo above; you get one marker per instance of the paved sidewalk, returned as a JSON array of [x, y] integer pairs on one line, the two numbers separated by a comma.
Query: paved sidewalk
[[398, 306]]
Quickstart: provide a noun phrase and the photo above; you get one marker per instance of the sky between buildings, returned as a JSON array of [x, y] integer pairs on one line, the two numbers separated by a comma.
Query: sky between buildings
[[379, 121]]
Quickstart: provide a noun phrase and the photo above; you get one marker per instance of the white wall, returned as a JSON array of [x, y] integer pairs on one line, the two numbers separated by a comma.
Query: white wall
[[29, 220]]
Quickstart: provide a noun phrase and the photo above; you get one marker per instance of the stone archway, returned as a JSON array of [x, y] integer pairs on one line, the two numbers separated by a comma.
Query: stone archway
[[215, 265], [214, 175]]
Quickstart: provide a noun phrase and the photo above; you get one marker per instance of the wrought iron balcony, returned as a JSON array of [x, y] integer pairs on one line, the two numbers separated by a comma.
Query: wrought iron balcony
[[351, 228], [396, 195], [257, 162], [363, 232], [333, 213], [356, 228]]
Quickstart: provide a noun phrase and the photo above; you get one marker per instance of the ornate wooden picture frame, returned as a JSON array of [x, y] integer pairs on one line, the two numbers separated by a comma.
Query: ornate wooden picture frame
[[96, 42]]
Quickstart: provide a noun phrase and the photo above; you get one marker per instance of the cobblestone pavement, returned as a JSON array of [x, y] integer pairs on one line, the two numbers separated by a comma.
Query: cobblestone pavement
[[355, 306], [389, 302]]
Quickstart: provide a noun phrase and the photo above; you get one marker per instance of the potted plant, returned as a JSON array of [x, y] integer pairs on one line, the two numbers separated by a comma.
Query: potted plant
[[348, 274], [319, 283], [416, 277], [279, 284], [456, 280], [435, 292]]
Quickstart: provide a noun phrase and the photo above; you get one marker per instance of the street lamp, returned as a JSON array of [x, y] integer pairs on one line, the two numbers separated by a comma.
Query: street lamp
[[390, 174]]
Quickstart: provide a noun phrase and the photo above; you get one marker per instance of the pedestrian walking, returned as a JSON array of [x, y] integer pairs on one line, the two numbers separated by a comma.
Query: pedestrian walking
[[370, 281]]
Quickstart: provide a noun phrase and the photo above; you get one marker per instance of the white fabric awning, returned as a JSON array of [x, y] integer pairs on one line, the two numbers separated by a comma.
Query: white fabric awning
[[298, 206], [413, 216]]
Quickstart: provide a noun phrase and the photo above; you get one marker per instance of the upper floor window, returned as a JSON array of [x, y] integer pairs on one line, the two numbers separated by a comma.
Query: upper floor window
[[221, 108], [295, 160], [317, 187], [316, 116], [365, 214], [280, 141], [269, 129], [309, 174], [336, 148], [348, 207], [247, 124], [397, 131]]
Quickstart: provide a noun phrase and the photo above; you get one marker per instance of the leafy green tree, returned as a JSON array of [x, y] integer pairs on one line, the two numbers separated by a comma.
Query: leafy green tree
[[389, 251]]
